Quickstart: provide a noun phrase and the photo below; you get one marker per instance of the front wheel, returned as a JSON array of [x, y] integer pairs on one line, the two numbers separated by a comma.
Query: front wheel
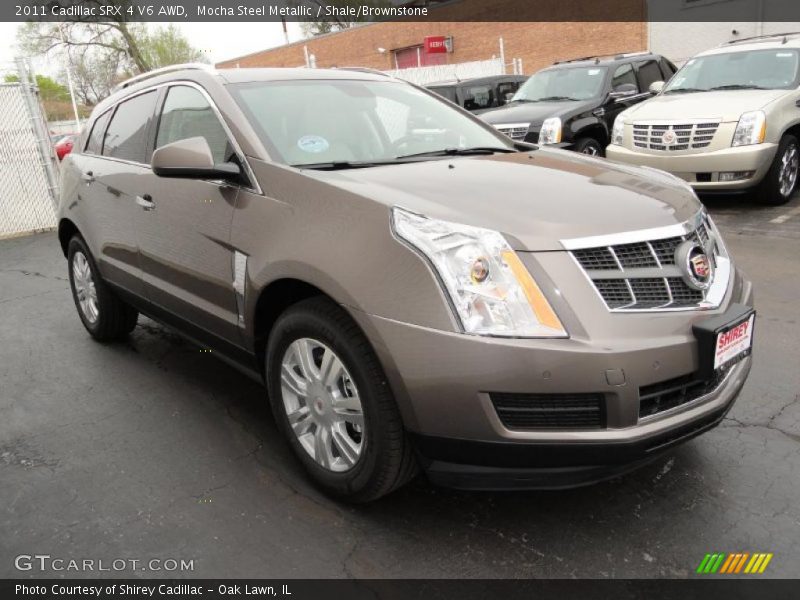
[[589, 146], [781, 179], [332, 401]]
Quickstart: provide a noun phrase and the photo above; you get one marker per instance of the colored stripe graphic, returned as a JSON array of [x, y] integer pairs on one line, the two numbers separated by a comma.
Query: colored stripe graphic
[[766, 562], [718, 562], [742, 561], [728, 562], [734, 563], [702, 567]]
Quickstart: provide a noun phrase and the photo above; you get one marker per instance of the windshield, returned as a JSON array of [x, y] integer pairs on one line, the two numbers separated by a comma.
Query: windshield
[[574, 83], [310, 122], [756, 69]]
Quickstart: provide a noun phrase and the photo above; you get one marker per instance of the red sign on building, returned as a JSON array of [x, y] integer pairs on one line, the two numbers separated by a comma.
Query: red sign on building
[[435, 44]]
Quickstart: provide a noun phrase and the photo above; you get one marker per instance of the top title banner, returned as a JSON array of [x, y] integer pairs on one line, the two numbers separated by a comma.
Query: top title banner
[[402, 10]]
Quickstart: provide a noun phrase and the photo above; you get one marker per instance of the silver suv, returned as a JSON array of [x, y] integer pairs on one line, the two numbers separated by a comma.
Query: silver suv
[[728, 121], [417, 290]]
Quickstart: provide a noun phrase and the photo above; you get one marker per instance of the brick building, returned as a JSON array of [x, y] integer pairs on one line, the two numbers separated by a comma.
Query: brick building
[[394, 44]]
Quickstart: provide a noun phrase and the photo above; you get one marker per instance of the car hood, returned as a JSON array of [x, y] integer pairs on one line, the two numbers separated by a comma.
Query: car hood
[[725, 106], [532, 112], [535, 198]]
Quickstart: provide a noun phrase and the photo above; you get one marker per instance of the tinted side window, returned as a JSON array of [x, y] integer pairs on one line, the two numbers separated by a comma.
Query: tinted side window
[[623, 74], [648, 73], [505, 88], [94, 144], [667, 68], [478, 96], [187, 114], [126, 136], [446, 92]]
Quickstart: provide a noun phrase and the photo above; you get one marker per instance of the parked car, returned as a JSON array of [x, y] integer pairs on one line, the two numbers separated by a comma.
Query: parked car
[[63, 145], [479, 93], [727, 122], [573, 103], [408, 302]]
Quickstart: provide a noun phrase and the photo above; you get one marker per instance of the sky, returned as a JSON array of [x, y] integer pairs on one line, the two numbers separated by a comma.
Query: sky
[[219, 41]]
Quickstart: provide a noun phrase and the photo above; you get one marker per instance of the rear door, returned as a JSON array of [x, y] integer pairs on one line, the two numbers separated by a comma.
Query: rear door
[[184, 225]]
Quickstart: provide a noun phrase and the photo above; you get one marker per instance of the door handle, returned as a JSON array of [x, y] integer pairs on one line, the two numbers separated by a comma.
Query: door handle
[[146, 202], [88, 177]]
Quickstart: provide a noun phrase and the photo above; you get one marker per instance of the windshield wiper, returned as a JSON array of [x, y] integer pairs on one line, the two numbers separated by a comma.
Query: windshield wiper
[[737, 86], [337, 165], [686, 90], [555, 98], [458, 152]]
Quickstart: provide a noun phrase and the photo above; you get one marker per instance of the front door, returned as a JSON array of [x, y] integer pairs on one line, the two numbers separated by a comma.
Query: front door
[[622, 75], [184, 225]]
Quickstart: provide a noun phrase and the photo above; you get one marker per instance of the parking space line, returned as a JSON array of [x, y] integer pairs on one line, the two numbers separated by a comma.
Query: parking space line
[[786, 216]]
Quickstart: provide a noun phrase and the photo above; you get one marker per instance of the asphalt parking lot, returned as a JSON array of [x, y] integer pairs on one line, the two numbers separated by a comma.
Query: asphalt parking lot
[[154, 449]]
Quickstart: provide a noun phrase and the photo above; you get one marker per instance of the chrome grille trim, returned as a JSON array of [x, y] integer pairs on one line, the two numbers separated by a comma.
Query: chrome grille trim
[[635, 281], [689, 135], [516, 131]]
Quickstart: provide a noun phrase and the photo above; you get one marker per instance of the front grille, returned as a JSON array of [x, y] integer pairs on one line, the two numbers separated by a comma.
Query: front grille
[[516, 131], [687, 135], [666, 395], [643, 275], [549, 411]]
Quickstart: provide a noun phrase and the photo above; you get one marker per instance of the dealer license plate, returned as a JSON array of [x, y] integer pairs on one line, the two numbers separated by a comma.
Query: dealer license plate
[[734, 342]]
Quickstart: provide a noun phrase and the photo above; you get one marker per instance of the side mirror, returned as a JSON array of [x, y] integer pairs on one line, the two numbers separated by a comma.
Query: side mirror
[[625, 90], [656, 87], [191, 159]]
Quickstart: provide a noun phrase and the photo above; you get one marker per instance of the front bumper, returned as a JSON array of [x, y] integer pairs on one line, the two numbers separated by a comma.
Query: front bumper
[[443, 381], [695, 167]]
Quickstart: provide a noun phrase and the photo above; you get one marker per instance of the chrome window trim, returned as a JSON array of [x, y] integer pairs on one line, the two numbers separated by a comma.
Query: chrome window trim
[[714, 295], [255, 187]]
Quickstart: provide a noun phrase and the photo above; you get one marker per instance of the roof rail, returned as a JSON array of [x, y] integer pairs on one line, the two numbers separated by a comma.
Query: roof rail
[[766, 37], [632, 54], [162, 71], [597, 58], [363, 70]]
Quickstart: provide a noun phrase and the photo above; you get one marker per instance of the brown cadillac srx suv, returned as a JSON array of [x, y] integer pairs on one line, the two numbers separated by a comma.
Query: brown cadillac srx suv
[[417, 290]]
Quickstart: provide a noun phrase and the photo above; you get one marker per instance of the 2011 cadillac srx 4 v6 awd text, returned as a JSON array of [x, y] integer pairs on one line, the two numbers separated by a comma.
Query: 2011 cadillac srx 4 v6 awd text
[[417, 290]]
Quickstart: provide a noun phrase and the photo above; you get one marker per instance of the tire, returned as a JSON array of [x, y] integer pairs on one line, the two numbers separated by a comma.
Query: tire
[[777, 187], [108, 318], [589, 146], [384, 459]]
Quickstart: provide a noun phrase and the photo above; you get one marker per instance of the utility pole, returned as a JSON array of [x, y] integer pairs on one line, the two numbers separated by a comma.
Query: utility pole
[[69, 80]]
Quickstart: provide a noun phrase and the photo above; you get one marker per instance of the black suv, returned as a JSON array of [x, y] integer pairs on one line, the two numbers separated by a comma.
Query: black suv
[[479, 93], [573, 103]]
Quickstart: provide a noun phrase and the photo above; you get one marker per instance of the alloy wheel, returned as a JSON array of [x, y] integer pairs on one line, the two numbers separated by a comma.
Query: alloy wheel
[[590, 150], [790, 165], [322, 404], [85, 290]]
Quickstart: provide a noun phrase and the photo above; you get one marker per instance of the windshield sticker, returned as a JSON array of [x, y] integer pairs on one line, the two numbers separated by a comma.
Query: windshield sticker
[[785, 54], [594, 71], [313, 143]]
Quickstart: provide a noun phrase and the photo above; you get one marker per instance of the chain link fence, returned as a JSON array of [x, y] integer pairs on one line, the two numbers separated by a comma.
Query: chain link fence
[[28, 171]]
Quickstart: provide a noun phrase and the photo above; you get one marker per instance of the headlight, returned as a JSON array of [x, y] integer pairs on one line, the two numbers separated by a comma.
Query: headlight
[[618, 131], [751, 129], [551, 131], [491, 291]]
